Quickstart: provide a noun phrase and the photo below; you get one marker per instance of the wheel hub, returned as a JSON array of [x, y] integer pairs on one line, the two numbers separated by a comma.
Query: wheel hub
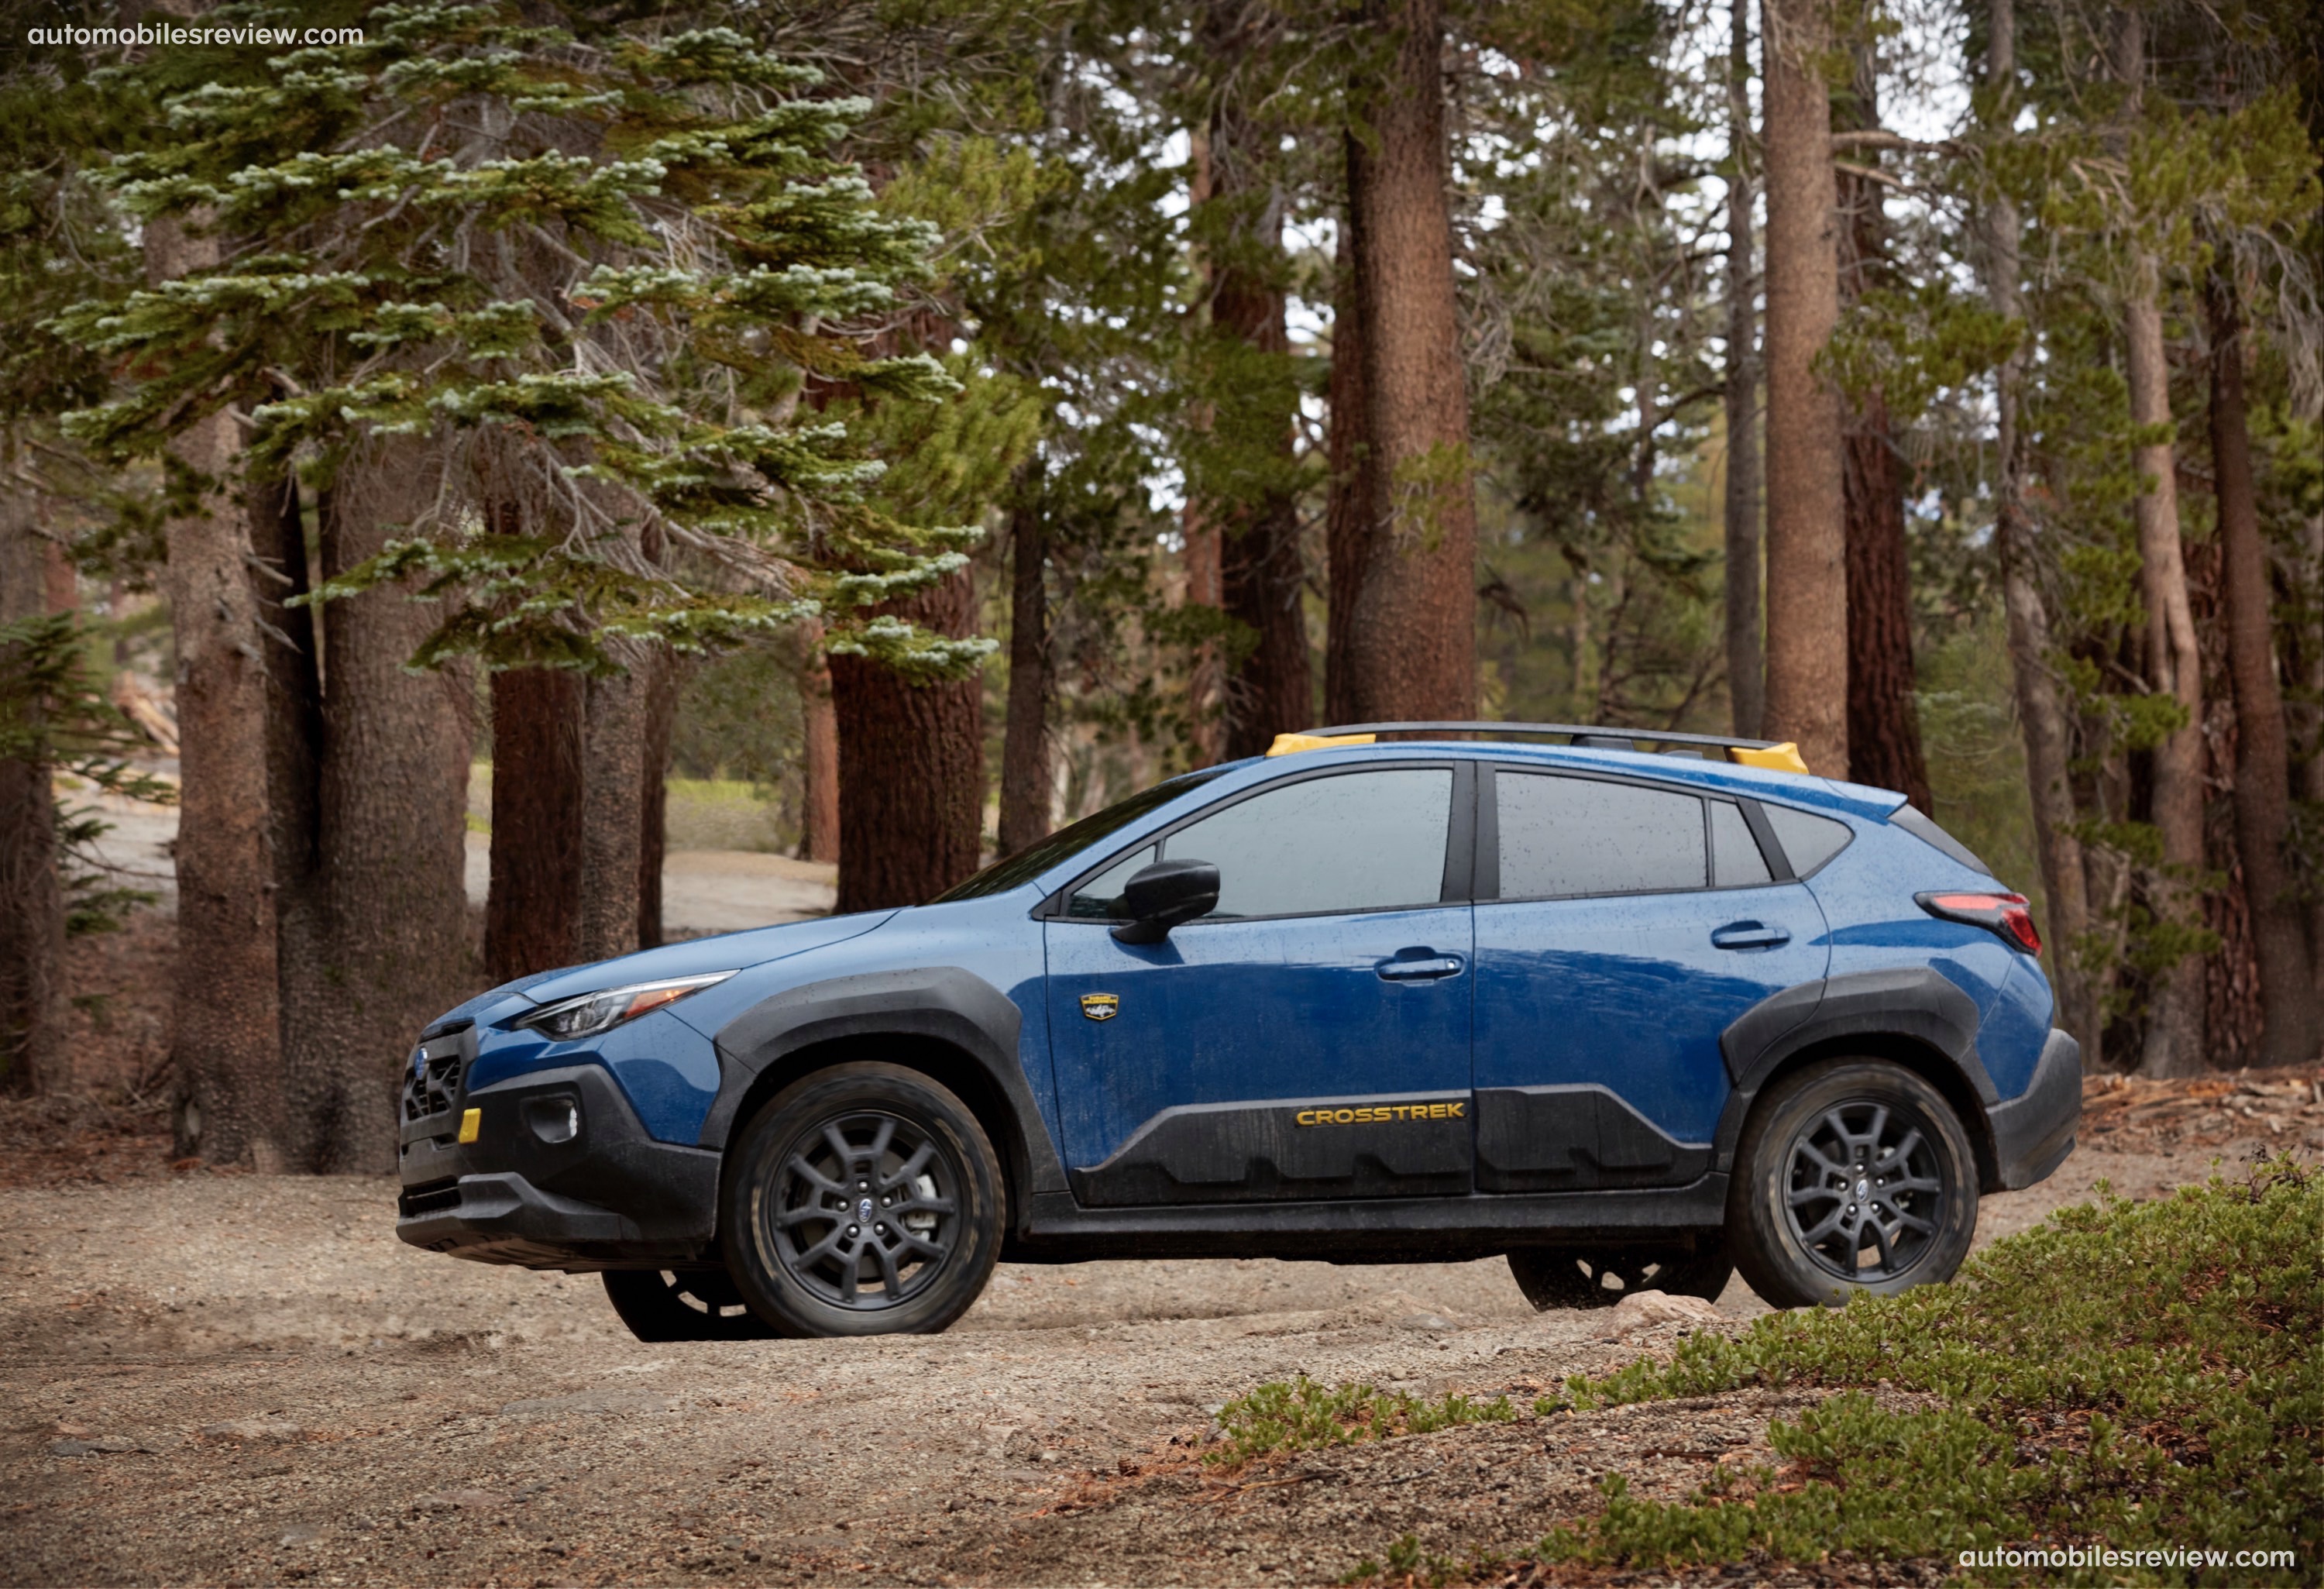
[[862, 1212], [1864, 1190]]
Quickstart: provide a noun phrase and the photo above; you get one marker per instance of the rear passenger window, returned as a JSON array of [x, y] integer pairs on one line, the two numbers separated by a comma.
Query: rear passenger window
[[1808, 841], [1735, 858], [1580, 835]]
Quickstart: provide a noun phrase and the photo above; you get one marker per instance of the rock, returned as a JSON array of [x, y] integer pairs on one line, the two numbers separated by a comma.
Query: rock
[[457, 1501], [1424, 1321], [1641, 1309], [102, 1446], [1022, 1446], [253, 1429], [301, 1534]]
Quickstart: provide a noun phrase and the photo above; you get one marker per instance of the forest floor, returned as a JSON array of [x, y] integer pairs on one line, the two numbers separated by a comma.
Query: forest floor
[[233, 1379]]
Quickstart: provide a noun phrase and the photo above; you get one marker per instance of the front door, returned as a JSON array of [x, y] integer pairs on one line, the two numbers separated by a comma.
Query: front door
[[1632, 924], [1309, 1039]]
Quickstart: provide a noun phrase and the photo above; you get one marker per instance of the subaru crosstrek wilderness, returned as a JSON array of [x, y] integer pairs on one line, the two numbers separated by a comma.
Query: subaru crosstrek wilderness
[[1630, 1019]]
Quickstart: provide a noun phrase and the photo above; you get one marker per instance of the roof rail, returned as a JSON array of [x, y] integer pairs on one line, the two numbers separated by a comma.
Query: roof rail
[[1783, 756]]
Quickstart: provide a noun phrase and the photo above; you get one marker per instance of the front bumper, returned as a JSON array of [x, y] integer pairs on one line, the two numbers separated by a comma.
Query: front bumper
[[608, 1196], [2033, 1132]]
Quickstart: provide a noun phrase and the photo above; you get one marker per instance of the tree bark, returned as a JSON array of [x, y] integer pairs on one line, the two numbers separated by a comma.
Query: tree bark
[[1206, 676], [664, 674], [391, 852], [2174, 1030], [2289, 1031], [1026, 751], [1807, 588], [1262, 577], [1884, 714], [1747, 684], [2042, 717], [1412, 652], [532, 914], [31, 895], [613, 812], [911, 768], [819, 752], [1348, 531], [227, 1048]]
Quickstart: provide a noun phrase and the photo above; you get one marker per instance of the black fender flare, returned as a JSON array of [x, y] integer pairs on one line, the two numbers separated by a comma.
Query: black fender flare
[[1914, 1003], [944, 1003]]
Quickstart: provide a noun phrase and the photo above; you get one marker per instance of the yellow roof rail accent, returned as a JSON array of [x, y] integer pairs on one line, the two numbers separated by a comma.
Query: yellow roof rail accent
[[1289, 743], [1778, 758]]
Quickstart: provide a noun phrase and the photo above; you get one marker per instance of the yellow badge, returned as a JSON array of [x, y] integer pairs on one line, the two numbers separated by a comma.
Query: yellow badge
[[1101, 1006]]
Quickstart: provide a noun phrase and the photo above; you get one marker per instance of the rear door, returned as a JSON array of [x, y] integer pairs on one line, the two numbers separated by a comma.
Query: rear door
[[1621, 925], [1310, 1039]]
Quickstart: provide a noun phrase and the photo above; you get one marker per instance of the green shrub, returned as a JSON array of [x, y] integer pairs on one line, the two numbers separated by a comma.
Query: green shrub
[[2144, 1375], [1303, 1416]]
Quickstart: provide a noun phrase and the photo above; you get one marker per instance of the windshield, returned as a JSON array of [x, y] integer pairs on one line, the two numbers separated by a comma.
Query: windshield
[[1030, 862]]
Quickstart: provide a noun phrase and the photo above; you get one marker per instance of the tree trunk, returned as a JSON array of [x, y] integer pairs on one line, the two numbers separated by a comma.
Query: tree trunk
[[1348, 525], [2287, 991], [612, 811], [31, 896], [1412, 648], [532, 914], [1026, 751], [391, 852], [1883, 716], [2174, 1030], [1262, 577], [819, 752], [1206, 676], [295, 749], [1747, 684], [911, 768], [228, 1048], [1807, 587], [664, 674], [2041, 715]]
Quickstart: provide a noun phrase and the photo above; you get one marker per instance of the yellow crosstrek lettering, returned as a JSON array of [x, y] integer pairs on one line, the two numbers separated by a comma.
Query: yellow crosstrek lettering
[[1380, 1113]]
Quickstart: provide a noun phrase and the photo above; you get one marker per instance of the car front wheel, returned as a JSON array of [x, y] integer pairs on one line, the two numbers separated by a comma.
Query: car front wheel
[[862, 1200], [667, 1304], [1853, 1174]]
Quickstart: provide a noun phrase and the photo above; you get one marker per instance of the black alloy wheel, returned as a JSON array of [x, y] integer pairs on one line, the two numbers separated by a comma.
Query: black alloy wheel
[[1852, 1175], [862, 1200], [669, 1305], [1568, 1277]]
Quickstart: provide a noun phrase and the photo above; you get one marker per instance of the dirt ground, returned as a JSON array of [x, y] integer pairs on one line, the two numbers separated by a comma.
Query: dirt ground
[[226, 1379]]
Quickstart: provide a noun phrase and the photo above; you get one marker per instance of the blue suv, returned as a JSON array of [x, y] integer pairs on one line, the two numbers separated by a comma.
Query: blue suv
[[1634, 1020]]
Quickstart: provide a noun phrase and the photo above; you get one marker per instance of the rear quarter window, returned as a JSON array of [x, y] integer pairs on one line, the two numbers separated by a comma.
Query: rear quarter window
[[1917, 823], [1808, 841]]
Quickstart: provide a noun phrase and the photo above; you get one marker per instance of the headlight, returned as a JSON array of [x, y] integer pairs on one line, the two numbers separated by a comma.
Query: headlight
[[586, 1014]]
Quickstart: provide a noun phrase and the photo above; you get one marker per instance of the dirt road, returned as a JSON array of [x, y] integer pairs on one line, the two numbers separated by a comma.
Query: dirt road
[[218, 1378]]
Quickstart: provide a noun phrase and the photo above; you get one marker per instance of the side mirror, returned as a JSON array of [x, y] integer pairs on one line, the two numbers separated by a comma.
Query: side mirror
[[1161, 896]]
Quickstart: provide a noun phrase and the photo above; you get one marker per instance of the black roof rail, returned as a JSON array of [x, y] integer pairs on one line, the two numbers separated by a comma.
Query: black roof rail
[[1761, 752]]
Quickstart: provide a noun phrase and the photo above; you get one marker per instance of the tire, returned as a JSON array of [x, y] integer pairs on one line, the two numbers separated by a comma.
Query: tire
[[1567, 1277], [862, 1200], [661, 1305], [1812, 1219]]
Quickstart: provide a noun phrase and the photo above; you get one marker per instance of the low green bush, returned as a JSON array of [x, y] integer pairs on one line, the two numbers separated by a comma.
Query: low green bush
[[1301, 1415], [2143, 1376]]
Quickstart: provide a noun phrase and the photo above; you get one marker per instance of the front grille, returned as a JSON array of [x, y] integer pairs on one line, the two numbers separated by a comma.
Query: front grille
[[431, 1089], [428, 1197]]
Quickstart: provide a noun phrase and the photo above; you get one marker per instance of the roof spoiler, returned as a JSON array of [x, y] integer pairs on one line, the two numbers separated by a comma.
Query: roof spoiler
[[1782, 756]]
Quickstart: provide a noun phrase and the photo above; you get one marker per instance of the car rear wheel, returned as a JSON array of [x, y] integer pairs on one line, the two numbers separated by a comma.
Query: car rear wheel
[[1565, 1277], [666, 1305], [1852, 1175], [862, 1200]]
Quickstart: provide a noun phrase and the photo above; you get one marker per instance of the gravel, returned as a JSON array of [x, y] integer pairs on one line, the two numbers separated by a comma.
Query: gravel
[[243, 1379]]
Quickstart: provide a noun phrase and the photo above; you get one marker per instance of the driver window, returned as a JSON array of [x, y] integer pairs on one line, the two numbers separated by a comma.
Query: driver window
[[1356, 841], [1099, 899]]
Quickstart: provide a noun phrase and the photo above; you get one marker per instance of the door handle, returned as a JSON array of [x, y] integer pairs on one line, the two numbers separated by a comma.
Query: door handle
[[1748, 935], [1426, 970]]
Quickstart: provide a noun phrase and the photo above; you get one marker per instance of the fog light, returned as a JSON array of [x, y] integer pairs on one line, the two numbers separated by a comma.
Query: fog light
[[554, 1120]]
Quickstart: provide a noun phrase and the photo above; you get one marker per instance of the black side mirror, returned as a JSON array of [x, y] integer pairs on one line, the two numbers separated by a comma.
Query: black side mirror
[[1161, 896]]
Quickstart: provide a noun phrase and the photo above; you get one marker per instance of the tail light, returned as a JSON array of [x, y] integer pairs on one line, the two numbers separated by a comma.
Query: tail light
[[2003, 913]]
